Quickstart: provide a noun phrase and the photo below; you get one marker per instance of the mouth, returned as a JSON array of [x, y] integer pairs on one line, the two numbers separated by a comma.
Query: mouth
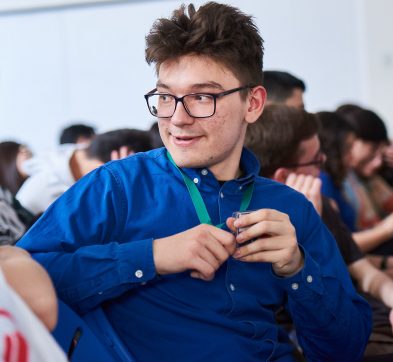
[[185, 140]]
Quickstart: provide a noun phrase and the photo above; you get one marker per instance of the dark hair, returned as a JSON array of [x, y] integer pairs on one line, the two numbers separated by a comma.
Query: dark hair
[[347, 108], [103, 144], [217, 31], [276, 135], [72, 133], [10, 178], [280, 85], [334, 132], [155, 137], [367, 125]]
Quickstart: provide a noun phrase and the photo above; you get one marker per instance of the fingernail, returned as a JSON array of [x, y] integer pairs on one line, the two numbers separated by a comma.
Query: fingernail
[[237, 254]]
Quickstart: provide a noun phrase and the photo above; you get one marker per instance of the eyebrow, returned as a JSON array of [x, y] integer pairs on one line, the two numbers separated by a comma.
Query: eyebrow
[[195, 87]]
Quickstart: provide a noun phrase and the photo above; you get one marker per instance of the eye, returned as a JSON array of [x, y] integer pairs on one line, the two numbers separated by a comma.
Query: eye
[[164, 98], [202, 98]]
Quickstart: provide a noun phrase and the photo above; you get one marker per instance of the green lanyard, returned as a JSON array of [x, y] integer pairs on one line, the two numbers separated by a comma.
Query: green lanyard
[[200, 207]]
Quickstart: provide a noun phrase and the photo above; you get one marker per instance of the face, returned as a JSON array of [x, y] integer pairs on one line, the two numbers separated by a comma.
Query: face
[[311, 157], [296, 99], [366, 157], [23, 155], [215, 142]]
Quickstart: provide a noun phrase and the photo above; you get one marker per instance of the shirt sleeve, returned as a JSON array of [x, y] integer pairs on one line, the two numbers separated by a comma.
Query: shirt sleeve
[[332, 321], [79, 241]]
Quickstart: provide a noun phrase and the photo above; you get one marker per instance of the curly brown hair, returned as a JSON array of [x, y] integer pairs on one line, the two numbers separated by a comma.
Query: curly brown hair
[[217, 31]]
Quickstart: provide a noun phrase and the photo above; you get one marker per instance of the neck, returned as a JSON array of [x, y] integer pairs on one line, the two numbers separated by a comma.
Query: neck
[[82, 165], [228, 170]]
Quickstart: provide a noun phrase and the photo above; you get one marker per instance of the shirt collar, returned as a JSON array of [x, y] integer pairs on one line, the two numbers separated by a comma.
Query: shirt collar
[[248, 163]]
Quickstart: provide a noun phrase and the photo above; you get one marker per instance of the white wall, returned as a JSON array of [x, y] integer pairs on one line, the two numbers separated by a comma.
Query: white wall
[[88, 63]]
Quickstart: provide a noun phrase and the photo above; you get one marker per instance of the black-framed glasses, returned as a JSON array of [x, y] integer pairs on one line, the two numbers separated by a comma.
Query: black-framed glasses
[[318, 160], [197, 105]]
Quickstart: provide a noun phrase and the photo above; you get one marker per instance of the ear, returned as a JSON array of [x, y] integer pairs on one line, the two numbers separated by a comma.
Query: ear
[[256, 102], [281, 175]]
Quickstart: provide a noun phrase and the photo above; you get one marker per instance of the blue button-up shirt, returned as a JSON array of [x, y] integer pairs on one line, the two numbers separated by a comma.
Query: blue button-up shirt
[[96, 243]]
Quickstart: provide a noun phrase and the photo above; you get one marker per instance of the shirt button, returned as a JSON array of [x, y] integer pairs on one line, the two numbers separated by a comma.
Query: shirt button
[[295, 286], [204, 172], [232, 287], [309, 278], [196, 180], [221, 195], [100, 292], [139, 273]]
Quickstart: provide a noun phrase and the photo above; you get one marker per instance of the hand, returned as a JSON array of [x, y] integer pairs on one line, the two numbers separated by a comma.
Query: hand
[[388, 155], [122, 152], [201, 249], [309, 186], [387, 226], [275, 242]]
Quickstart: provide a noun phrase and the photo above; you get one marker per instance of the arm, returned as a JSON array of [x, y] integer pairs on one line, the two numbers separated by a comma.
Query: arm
[[373, 281], [332, 321], [31, 282], [80, 242], [371, 238]]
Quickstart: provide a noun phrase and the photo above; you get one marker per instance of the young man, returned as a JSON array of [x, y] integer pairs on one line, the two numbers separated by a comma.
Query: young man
[[150, 238], [77, 133], [286, 142], [283, 88]]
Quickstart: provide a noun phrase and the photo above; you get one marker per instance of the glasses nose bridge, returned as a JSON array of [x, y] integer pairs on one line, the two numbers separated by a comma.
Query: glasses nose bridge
[[181, 100]]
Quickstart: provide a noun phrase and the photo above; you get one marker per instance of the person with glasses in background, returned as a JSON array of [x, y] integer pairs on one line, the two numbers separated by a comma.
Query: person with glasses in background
[[151, 238], [284, 140]]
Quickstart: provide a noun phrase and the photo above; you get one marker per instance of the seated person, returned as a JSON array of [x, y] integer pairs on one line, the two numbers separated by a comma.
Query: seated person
[[365, 192], [26, 288], [286, 142], [150, 238], [77, 134], [57, 171], [14, 219], [283, 88]]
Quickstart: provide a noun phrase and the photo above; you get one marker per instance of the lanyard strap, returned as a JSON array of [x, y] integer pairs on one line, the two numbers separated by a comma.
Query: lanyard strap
[[199, 204]]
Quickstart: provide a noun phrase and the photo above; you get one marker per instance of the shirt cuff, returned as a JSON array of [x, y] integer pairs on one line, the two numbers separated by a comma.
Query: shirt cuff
[[136, 262], [306, 282]]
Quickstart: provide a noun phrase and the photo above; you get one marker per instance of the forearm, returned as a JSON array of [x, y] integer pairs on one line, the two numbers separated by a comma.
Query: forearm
[[371, 238], [373, 281], [93, 274], [31, 282]]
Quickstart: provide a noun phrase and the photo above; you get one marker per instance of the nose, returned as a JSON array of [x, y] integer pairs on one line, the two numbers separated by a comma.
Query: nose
[[181, 117]]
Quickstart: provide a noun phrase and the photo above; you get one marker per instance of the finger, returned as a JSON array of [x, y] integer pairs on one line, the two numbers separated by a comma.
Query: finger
[[268, 243], [230, 225], [123, 151], [214, 253], [226, 238], [202, 269], [307, 184], [260, 215], [266, 227], [218, 251], [269, 256], [115, 155], [299, 182], [291, 179]]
